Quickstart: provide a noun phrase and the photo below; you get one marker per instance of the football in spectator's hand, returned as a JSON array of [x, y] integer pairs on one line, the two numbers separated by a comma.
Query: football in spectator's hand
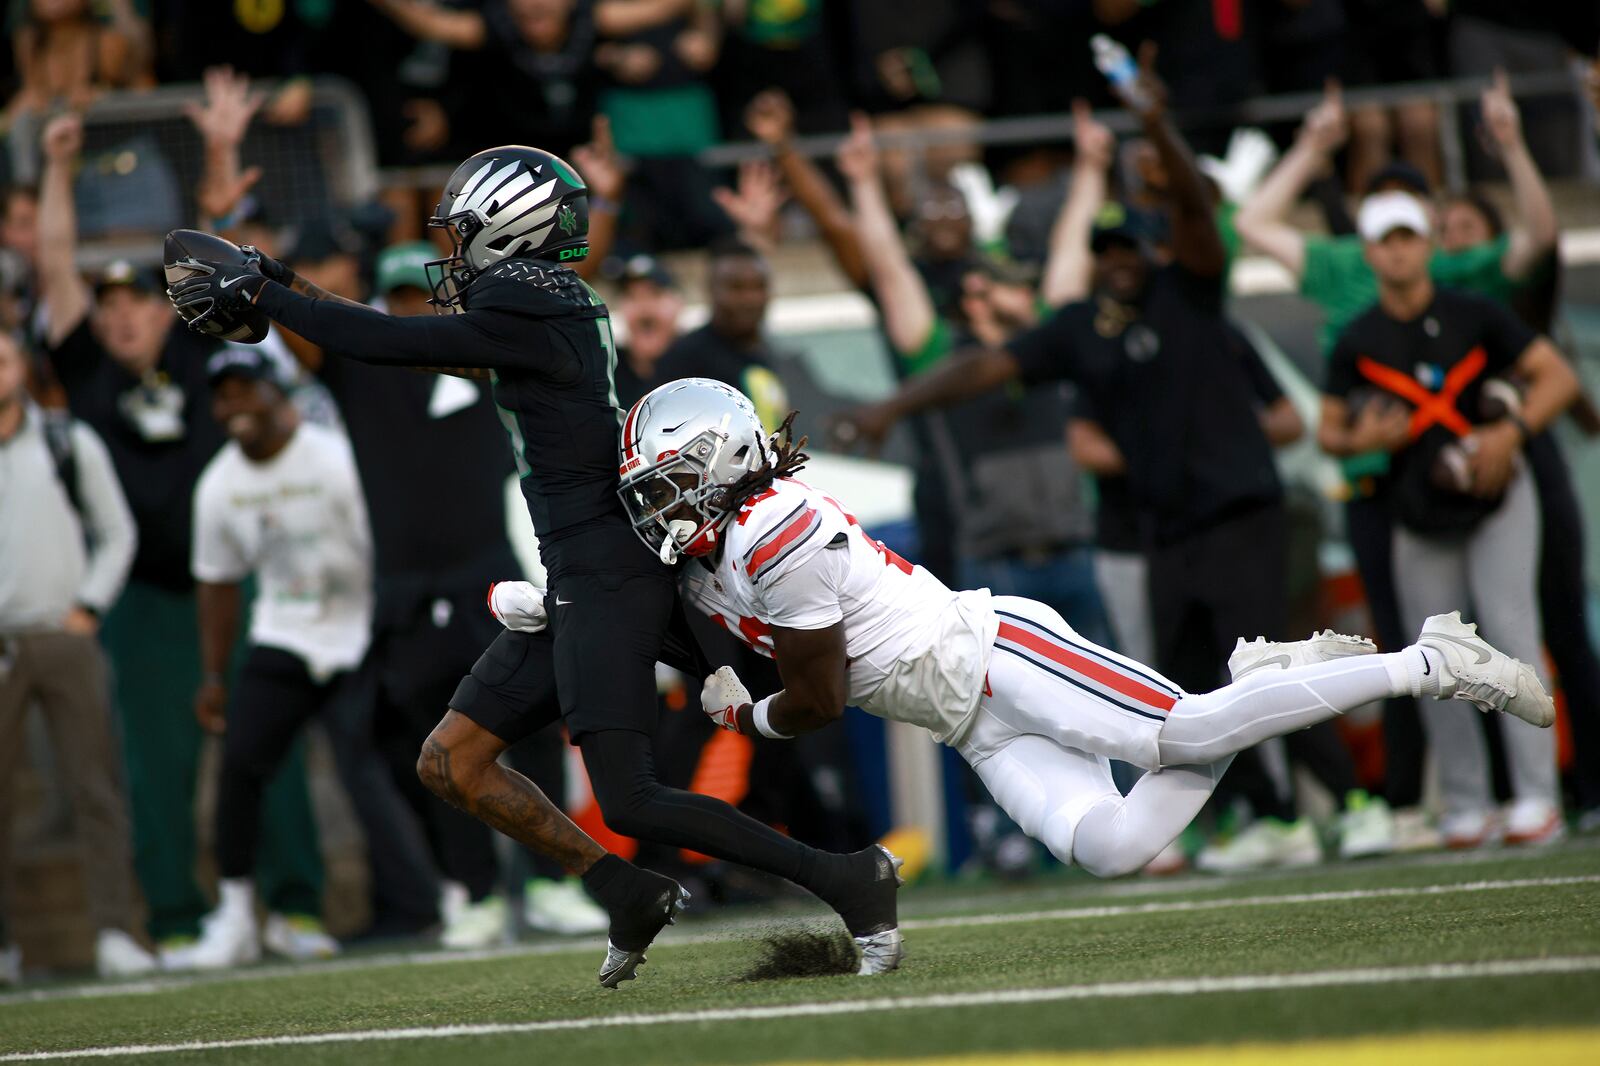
[[190, 255], [1452, 466], [1500, 398]]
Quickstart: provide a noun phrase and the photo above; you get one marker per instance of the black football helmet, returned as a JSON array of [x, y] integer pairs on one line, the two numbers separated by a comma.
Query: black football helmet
[[511, 202]]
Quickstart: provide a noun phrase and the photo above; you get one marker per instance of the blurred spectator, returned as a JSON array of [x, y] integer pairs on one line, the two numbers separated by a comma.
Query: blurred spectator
[[732, 347], [140, 384], [1021, 527], [281, 503], [66, 543], [1465, 513], [649, 305], [67, 52], [656, 56], [1388, 42], [536, 82], [910, 52], [275, 40], [781, 46]]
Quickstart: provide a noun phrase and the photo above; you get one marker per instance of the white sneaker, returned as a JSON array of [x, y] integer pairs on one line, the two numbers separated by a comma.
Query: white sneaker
[[228, 938], [1366, 827], [1266, 843], [1471, 670], [468, 924], [1533, 822], [1261, 653], [561, 907], [10, 965], [116, 954], [298, 936], [1414, 831], [1470, 830]]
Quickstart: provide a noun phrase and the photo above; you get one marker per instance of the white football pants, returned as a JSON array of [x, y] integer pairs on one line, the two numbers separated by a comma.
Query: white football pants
[[1058, 708]]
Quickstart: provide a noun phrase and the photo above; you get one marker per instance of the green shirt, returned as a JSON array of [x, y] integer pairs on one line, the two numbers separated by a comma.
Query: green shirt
[[1338, 279]]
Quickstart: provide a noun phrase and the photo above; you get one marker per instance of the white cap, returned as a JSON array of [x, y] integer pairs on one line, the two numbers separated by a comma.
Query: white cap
[[1383, 213]]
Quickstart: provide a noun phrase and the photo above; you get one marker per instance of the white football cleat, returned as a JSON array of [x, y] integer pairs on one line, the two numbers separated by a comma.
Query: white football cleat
[[561, 907], [1471, 670], [1366, 828], [880, 952], [1470, 830], [299, 937], [1261, 653], [228, 938], [1533, 822], [116, 954]]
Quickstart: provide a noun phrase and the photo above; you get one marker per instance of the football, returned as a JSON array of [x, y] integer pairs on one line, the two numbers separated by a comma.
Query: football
[[1452, 467], [1501, 398], [245, 325]]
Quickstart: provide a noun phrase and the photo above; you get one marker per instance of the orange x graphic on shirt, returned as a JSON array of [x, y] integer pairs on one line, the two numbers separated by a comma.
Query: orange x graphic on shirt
[[1432, 408]]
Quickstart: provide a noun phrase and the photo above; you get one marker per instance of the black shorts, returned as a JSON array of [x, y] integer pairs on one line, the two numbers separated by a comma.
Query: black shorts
[[595, 666]]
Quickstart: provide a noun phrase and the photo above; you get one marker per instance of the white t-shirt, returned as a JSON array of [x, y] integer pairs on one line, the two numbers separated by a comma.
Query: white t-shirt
[[299, 522], [795, 558]]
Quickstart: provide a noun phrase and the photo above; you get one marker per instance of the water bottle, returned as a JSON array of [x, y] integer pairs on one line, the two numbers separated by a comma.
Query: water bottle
[[1116, 63]]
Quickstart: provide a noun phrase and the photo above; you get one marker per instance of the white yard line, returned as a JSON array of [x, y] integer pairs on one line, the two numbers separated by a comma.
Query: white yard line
[[1193, 986], [725, 932]]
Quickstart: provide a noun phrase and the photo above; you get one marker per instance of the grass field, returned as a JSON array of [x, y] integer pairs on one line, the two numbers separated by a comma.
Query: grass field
[[1489, 958]]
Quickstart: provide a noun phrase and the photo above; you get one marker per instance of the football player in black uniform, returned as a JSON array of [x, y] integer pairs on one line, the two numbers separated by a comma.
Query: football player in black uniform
[[542, 337]]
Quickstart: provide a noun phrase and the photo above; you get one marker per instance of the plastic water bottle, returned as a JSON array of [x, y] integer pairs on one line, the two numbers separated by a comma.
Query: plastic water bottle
[[1116, 63]]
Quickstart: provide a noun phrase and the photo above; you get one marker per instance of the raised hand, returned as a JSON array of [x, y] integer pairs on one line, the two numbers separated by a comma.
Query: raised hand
[[754, 205], [1502, 122], [857, 157], [1149, 101], [63, 138], [229, 106], [1096, 145], [599, 164], [1326, 126]]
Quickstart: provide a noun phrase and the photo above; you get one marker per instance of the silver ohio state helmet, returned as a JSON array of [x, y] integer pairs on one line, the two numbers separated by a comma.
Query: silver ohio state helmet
[[683, 444]]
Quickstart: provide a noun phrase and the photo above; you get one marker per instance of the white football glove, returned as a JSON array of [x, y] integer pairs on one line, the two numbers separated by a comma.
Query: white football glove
[[518, 605], [722, 697]]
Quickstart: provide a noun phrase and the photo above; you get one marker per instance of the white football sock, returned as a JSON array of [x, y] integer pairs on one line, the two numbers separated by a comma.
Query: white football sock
[[1203, 728], [236, 895]]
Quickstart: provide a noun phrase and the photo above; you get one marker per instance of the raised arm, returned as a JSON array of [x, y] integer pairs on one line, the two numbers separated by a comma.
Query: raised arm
[[903, 300], [754, 204], [1263, 219], [1069, 268], [770, 116], [1533, 231], [222, 121], [965, 374], [424, 19], [61, 289], [1196, 241], [602, 172]]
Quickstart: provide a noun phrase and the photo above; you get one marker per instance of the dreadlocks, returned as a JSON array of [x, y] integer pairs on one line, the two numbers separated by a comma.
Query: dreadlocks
[[790, 460]]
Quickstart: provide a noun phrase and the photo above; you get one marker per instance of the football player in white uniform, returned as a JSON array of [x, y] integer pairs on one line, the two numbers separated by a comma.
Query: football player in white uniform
[[1037, 710]]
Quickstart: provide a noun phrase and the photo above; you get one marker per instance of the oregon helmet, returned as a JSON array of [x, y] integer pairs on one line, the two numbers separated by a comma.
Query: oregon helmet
[[511, 202]]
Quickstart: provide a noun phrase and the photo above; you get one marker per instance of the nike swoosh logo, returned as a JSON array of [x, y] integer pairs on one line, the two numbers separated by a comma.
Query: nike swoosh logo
[[563, 603], [1427, 667], [230, 281], [1276, 660], [1481, 653]]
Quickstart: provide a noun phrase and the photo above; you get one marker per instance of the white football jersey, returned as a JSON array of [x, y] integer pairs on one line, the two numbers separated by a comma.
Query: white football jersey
[[795, 558]]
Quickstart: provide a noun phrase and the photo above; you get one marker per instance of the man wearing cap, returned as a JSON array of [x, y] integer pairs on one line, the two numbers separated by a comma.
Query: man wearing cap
[[281, 502], [434, 468], [140, 384], [649, 304], [1407, 378]]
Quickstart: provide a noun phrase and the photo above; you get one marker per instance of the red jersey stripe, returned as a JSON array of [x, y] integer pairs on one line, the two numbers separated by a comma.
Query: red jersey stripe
[[1097, 672], [792, 532]]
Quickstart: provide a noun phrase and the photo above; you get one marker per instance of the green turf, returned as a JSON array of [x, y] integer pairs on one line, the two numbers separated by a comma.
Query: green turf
[[1280, 938]]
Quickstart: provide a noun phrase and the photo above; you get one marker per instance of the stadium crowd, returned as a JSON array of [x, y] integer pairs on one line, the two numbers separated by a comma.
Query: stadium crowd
[[1124, 472]]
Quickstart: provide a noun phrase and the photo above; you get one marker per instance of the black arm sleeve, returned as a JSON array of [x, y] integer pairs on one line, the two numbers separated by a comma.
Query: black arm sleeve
[[496, 340], [1046, 352], [1263, 385]]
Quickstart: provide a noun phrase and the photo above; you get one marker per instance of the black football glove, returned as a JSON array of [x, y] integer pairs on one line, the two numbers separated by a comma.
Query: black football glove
[[274, 269], [209, 298]]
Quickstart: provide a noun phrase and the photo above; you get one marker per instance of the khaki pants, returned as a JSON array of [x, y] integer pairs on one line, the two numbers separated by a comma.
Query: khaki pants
[[66, 675]]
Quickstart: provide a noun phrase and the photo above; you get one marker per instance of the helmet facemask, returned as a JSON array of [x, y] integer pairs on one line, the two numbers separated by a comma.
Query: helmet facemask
[[675, 506], [450, 276]]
